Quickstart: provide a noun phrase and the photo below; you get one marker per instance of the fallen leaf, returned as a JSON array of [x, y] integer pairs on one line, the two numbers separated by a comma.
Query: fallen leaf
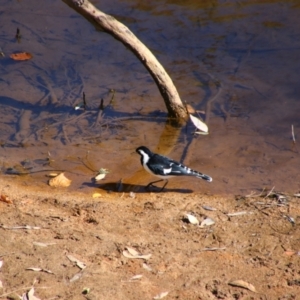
[[79, 263], [132, 253], [243, 284], [239, 213], [97, 195], [30, 295], [76, 277], [213, 249], [199, 124], [5, 199], [207, 222], [146, 267], [60, 181], [192, 219], [206, 207], [101, 174], [52, 174], [20, 227], [161, 295], [21, 56], [190, 109], [290, 252], [40, 270], [39, 244], [1, 263], [135, 277]]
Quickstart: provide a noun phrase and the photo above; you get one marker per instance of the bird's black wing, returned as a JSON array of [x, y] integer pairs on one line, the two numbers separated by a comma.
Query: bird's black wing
[[160, 165]]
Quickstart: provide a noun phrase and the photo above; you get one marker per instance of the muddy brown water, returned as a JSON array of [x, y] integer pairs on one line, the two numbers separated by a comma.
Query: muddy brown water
[[236, 61]]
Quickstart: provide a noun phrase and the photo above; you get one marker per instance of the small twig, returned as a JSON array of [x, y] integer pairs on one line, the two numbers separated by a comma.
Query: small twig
[[18, 35], [84, 100], [293, 134], [111, 103], [270, 192]]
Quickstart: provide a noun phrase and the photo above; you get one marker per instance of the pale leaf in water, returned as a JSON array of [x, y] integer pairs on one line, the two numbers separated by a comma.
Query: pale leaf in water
[[207, 222], [201, 132], [243, 284], [79, 106], [99, 177], [52, 175], [101, 174], [192, 219], [60, 181], [199, 124], [97, 195], [161, 295]]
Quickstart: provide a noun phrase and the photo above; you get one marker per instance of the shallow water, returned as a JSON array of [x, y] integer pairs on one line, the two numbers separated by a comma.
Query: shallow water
[[236, 61]]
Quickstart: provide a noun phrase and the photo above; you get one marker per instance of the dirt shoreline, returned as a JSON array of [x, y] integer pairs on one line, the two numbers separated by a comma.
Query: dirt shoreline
[[259, 247]]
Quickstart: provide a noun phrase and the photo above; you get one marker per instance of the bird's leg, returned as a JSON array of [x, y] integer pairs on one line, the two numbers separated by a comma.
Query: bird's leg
[[151, 184]]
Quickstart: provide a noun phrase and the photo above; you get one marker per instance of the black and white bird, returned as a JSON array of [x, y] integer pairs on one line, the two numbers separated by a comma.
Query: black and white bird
[[164, 167]]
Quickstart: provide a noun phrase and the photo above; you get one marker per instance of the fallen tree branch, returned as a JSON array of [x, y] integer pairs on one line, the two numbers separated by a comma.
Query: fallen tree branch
[[109, 24]]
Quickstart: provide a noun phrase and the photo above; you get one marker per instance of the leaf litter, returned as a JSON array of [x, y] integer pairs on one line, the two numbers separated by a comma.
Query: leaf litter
[[132, 253], [78, 263], [243, 284]]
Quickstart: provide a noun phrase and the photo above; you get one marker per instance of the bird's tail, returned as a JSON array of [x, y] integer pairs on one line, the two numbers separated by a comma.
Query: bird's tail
[[203, 176]]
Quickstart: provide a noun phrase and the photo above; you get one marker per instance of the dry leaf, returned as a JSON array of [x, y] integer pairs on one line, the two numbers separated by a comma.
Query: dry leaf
[[135, 277], [147, 267], [192, 219], [132, 253], [60, 181], [1, 263], [101, 174], [30, 295], [40, 270], [39, 244], [79, 264], [207, 222], [52, 174], [243, 284], [161, 295], [20, 227], [76, 276], [291, 252], [5, 199], [199, 124], [21, 56], [190, 109], [97, 195]]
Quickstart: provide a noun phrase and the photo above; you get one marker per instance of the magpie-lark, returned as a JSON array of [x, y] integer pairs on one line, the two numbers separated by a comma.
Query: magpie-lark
[[164, 167]]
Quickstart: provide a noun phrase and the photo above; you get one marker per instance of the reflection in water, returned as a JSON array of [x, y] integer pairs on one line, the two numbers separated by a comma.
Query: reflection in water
[[238, 62]]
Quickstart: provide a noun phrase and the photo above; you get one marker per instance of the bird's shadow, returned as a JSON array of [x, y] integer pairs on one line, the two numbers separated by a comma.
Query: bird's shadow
[[136, 188]]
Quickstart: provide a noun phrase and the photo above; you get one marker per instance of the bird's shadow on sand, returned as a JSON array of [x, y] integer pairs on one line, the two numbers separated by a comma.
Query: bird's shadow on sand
[[127, 188]]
